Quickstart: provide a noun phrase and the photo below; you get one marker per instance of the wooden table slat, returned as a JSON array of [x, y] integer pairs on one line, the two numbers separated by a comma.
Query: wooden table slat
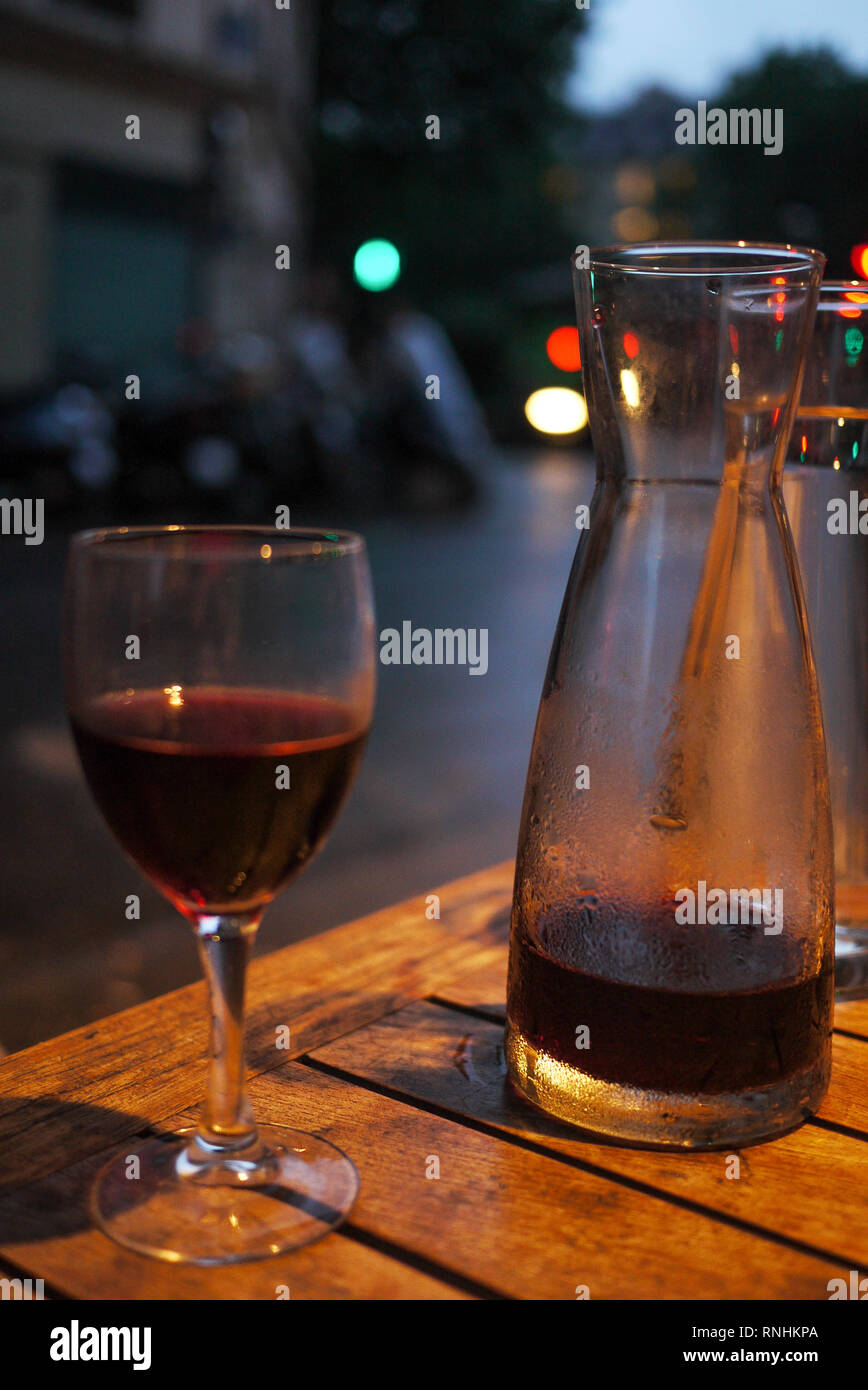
[[64, 1099], [80, 1262], [521, 1224], [440, 1057], [400, 1017]]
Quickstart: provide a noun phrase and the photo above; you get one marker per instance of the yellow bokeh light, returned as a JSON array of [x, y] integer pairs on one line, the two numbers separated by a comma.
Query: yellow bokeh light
[[635, 224], [556, 410], [634, 183], [630, 387], [265, 552], [175, 694]]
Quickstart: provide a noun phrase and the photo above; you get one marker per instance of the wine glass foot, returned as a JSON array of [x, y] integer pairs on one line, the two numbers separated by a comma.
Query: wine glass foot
[[143, 1202], [851, 962]]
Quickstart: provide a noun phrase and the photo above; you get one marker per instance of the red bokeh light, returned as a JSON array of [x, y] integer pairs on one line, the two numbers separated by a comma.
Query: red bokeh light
[[562, 347], [859, 260], [631, 345], [856, 297]]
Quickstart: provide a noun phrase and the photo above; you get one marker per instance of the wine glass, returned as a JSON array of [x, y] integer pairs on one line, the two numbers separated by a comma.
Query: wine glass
[[220, 684]]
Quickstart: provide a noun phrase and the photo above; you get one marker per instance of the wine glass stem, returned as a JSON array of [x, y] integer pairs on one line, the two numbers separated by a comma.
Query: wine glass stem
[[225, 942]]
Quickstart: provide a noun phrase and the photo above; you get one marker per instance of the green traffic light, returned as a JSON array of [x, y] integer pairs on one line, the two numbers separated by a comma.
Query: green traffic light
[[377, 265]]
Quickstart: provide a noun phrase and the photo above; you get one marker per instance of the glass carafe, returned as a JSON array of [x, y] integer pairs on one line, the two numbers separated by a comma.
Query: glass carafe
[[670, 974]]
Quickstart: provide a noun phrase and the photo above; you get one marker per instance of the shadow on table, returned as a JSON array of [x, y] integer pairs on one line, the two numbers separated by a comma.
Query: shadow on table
[[40, 1199]]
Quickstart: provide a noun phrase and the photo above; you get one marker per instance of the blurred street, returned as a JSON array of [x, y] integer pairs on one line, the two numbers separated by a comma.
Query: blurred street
[[439, 793], [318, 257]]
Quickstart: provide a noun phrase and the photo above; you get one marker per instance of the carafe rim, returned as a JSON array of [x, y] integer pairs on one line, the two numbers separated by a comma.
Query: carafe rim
[[717, 258]]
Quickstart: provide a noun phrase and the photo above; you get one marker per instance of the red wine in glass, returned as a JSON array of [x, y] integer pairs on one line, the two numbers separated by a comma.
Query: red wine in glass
[[220, 686], [220, 796]]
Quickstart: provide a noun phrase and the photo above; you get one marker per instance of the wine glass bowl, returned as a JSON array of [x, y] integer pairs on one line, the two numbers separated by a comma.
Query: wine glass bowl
[[220, 686]]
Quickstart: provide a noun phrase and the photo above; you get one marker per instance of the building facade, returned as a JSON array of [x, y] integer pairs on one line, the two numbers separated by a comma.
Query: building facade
[[152, 157]]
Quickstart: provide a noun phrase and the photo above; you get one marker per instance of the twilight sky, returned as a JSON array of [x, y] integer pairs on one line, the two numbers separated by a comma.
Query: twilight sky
[[692, 45]]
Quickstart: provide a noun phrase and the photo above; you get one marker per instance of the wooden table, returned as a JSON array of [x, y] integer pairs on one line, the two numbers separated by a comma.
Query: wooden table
[[396, 1028]]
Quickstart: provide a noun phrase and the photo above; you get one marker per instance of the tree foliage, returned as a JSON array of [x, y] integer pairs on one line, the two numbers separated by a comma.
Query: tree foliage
[[816, 189], [468, 210]]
